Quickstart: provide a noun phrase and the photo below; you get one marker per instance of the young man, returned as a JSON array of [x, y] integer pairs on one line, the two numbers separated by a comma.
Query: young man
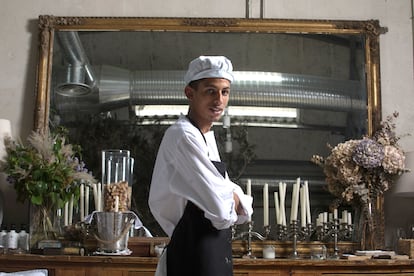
[[191, 196]]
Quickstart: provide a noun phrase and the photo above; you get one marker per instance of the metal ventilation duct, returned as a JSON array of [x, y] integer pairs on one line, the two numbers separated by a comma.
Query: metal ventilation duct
[[112, 87], [80, 78], [118, 86]]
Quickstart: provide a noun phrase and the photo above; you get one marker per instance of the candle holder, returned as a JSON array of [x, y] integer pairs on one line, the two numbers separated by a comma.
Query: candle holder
[[334, 232], [266, 232], [324, 231], [233, 231], [320, 233], [310, 231], [306, 232], [345, 232], [281, 232], [249, 234], [294, 232]]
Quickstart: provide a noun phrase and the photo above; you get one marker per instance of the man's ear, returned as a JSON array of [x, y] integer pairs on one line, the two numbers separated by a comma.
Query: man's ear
[[189, 92]]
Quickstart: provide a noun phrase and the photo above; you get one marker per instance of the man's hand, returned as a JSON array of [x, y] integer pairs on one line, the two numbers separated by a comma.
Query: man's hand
[[237, 205]]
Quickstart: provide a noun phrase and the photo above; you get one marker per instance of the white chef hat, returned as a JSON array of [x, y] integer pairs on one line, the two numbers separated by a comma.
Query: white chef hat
[[209, 67]]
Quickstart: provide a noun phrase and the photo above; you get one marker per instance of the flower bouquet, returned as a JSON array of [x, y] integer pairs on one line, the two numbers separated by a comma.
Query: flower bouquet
[[359, 171], [46, 172]]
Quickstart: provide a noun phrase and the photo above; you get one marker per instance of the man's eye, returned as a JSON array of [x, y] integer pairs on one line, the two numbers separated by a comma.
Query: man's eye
[[225, 92]]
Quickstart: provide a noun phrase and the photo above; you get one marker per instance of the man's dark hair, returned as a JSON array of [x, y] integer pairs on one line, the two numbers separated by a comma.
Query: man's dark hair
[[194, 84]]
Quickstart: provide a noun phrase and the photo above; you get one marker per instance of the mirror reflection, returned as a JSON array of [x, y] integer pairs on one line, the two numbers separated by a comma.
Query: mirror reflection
[[294, 93]]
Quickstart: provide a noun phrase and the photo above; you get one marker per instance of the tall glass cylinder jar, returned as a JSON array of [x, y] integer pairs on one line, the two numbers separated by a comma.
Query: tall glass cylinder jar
[[114, 166], [117, 172]]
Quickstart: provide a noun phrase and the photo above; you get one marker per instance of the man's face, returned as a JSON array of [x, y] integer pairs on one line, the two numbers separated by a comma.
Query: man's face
[[209, 99]]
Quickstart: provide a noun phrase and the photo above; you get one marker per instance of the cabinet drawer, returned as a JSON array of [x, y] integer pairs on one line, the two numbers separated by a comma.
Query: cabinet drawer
[[69, 272], [141, 273]]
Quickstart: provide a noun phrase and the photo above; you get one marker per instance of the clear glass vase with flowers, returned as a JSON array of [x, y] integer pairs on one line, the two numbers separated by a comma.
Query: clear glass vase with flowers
[[359, 171], [46, 172]]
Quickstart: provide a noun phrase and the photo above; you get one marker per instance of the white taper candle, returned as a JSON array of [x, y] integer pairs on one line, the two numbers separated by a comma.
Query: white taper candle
[[82, 202], [116, 204], [266, 204], [70, 216], [99, 193], [302, 207], [349, 218], [282, 193], [249, 187], [86, 200], [249, 191], [308, 208], [345, 216], [295, 201], [95, 196], [277, 208], [66, 214], [335, 213]]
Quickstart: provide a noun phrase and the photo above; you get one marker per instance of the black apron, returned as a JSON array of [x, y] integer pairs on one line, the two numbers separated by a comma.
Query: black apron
[[196, 247]]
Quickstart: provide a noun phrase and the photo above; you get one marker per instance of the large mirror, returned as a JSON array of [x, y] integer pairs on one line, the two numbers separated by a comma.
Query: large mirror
[[300, 85]]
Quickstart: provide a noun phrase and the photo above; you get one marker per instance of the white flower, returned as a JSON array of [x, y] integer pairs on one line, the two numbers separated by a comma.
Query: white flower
[[394, 160]]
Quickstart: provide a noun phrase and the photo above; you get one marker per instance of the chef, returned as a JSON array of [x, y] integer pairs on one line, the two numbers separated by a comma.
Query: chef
[[191, 195]]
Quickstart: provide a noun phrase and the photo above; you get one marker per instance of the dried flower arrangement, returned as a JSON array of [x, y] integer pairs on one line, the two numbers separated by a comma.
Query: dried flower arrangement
[[357, 170]]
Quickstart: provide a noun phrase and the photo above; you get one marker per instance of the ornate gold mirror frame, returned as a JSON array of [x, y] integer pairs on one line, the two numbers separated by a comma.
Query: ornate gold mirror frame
[[48, 25], [369, 31]]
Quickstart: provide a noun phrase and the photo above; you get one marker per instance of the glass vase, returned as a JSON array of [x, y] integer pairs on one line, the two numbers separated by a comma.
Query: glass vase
[[44, 224], [370, 228]]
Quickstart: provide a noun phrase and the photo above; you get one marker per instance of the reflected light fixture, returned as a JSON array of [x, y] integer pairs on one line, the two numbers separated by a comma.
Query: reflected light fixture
[[246, 114]]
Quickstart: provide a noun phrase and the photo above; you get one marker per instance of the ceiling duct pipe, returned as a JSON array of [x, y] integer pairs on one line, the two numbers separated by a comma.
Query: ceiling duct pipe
[[80, 79], [120, 87]]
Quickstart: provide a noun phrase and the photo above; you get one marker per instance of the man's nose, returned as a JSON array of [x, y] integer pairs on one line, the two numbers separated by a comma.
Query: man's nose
[[219, 97]]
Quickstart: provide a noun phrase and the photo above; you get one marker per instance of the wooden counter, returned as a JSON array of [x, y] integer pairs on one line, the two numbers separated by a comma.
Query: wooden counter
[[145, 266]]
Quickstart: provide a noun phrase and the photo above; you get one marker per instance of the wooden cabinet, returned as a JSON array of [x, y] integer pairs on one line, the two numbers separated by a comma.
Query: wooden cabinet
[[307, 267], [145, 266], [81, 265]]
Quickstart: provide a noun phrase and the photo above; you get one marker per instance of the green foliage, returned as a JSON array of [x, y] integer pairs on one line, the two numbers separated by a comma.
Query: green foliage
[[45, 171]]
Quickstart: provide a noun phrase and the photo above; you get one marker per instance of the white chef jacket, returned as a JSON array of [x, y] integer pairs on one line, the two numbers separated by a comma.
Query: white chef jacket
[[183, 171]]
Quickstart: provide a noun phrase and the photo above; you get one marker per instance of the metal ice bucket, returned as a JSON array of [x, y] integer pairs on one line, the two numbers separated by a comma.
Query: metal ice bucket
[[112, 231]]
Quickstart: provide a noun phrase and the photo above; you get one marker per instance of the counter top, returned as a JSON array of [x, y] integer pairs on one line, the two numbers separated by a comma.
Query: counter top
[[69, 265], [237, 261]]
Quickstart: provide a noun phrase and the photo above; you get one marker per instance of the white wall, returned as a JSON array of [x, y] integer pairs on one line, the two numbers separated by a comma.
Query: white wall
[[18, 50]]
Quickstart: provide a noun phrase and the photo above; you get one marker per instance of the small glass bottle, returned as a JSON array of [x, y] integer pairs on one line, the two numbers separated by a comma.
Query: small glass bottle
[[12, 237], [23, 241], [3, 236]]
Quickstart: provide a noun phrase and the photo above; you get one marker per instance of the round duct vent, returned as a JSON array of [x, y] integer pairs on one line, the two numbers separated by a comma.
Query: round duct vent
[[73, 89]]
